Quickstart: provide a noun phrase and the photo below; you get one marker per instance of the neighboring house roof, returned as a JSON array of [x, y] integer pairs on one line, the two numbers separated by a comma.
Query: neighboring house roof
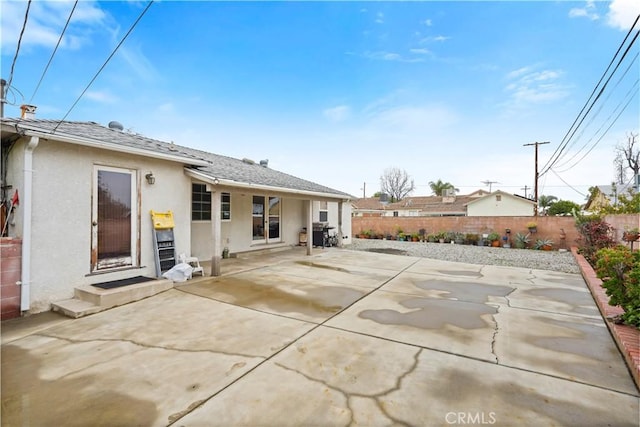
[[426, 205], [433, 205], [513, 196], [606, 194], [200, 164], [369, 203]]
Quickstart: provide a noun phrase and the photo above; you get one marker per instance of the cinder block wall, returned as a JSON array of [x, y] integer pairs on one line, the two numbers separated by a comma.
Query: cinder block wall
[[10, 264], [548, 227]]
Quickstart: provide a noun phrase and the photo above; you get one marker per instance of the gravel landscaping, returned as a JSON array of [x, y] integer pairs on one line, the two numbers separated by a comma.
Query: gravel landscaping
[[528, 258]]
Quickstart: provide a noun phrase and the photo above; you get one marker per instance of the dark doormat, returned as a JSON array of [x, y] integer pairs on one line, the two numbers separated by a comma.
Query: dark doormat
[[123, 282]]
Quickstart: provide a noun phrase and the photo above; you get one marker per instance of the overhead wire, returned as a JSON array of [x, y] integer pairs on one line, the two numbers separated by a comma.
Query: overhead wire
[[631, 92], [15, 57], [594, 116], [563, 143], [46, 68], [103, 66]]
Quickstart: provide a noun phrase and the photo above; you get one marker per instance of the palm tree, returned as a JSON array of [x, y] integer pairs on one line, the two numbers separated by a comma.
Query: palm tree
[[439, 187], [545, 202]]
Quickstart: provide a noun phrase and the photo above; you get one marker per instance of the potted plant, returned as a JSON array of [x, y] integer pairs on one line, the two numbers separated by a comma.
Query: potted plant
[[631, 235], [471, 238], [494, 238], [415, 237], [532, 226], [401, 236], [441, 236], [522, 240], [431, 238], [544, 244], [458, 238], [423, 234]]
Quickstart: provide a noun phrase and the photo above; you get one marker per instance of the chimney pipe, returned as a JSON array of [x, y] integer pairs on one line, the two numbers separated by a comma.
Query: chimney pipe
[[28, 111]]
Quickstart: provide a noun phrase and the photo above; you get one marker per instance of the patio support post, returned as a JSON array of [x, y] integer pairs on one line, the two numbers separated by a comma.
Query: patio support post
[[216, 228], [309, 226], [340, 205]]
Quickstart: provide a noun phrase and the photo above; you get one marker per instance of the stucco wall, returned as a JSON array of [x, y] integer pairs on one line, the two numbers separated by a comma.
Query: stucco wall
[[506, 206], [237, 233], [61, 221]]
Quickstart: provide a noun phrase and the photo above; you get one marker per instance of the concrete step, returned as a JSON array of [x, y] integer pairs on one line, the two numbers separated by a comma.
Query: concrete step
[[90, 299], [108, 298], [75, 308]]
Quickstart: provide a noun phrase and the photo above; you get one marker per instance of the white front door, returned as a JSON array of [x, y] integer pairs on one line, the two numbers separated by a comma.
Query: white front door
[[114, 218]]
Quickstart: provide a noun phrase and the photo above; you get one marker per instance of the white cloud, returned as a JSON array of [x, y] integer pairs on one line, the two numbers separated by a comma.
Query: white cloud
[[588, 11], [45, 23], [389, 56], [420, 51], [622, 13], [379, 18], [337, 114], [103, 97], [439, 38], [527, 86], [428, 22]]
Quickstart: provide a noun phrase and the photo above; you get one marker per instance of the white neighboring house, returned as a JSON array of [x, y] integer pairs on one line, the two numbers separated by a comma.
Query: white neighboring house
[[499, 203], [86, 192]]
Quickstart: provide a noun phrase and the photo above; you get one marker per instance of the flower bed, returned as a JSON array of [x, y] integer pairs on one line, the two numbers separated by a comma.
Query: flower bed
[[627, 338]]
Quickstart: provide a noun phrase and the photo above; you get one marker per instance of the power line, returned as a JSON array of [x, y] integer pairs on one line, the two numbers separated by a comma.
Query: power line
[[556, 154], [568, 185], [15, 58], [633, 94], [54, 51], [598, 112], [104, 65]]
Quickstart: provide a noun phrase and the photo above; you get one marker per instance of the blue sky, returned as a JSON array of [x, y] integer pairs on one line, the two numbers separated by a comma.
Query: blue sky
[[337, 92]]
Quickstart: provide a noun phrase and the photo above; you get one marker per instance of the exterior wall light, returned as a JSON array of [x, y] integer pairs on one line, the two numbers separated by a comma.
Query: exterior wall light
[[150, 178]]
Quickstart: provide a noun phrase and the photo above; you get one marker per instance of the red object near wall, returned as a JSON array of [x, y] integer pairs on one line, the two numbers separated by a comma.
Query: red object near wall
[[10, 273]]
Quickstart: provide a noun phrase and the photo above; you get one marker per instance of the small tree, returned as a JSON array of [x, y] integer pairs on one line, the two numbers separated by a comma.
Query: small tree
[[629, 153], [439, 187], [545, 202], [563, 207], [396, 183]]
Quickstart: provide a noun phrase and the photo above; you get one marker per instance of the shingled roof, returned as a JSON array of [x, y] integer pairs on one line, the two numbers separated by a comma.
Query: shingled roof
[[207, 164]]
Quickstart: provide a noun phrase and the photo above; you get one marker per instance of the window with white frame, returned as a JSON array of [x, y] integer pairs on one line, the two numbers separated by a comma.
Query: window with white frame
[[323, 212], [225, 209]]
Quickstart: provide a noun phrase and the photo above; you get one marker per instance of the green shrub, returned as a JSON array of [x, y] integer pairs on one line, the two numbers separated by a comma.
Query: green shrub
[[619, 269]]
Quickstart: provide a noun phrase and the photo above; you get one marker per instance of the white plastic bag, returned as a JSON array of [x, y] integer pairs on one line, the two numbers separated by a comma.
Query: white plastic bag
[[179, 272]]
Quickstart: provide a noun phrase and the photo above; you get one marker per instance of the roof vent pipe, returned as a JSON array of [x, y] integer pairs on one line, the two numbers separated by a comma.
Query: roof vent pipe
[[28, 111], [264, 163], [116, 125]]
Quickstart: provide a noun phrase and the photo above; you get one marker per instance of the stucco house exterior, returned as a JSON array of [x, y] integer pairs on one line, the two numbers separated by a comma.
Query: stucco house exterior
[[499, 203], [86, 192], [607, 195]]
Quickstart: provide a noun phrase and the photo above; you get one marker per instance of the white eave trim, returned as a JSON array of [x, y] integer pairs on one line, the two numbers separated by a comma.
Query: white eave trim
[[260, 187], [110, 146]]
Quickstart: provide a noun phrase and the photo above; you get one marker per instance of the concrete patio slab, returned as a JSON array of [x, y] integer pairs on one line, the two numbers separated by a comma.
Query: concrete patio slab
[[364, 381], [288, 339], [310, 301]]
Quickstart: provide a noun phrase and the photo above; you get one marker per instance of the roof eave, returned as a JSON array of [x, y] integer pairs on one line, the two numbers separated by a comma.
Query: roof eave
[[268, 188], [87, 142]]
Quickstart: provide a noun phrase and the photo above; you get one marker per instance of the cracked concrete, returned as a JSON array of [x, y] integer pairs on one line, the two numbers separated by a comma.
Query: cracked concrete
[[340, 338]]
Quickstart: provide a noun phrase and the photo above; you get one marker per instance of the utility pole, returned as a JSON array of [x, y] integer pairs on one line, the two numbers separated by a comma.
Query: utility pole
[[535, 182], [487, 182], [3, 84], [364, 190], [525, 188]]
